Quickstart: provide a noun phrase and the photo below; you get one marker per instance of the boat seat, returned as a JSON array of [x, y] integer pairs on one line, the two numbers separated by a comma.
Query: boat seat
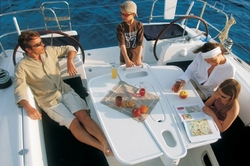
[[244, 97], [62, 40], [76, 84], [180, 54], [183, 64], [62, 147], [199, 156], [152, 31], [232, 148]]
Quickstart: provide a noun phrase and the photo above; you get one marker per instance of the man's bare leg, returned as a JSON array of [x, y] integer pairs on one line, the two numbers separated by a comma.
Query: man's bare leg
[[93, 129], [83, 136]]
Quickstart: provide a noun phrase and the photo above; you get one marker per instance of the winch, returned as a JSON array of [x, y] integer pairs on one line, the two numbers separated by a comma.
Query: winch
[[5, 80], [227, 44]]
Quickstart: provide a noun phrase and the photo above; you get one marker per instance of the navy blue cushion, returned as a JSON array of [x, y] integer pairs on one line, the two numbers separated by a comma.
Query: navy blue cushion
[[76, 84], [151, 32], [232, 148], [59, 41]]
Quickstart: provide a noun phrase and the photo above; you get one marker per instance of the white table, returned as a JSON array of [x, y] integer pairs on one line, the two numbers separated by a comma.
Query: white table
[[171, 74], [132, 141]]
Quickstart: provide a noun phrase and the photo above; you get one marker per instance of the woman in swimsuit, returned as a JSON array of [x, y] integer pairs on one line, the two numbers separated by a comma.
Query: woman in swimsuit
[[223, 105]]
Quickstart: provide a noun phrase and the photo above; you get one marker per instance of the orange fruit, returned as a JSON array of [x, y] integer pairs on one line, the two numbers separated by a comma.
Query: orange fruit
[[144, 109]]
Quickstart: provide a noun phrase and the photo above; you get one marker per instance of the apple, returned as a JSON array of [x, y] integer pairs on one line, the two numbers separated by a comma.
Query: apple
[[183, 94], [136, 112]]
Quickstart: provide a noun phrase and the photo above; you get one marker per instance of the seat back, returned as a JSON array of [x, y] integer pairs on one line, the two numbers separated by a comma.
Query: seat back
[[62, 40], [178, 52]]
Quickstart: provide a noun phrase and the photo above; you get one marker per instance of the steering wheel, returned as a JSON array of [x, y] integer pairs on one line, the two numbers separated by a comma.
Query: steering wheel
[[169, 25], [51, 32]]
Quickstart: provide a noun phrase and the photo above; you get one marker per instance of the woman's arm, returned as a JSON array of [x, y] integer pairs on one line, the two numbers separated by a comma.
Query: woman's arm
[[191, 69], [187, 75]]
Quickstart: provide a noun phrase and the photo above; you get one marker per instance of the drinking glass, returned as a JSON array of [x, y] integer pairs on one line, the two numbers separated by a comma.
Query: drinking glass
[[142, 92], [114, 72], [176, 87], [142, 89], [118, 101]]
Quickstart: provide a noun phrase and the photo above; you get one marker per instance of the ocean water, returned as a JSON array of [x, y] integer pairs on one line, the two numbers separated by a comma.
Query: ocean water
[[96, 20]]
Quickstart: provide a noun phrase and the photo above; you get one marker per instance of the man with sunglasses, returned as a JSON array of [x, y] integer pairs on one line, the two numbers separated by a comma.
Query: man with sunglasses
[[39, 69], [129, 34]]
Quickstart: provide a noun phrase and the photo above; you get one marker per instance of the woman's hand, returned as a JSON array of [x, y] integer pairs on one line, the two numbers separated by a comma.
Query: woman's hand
[[178, 86]]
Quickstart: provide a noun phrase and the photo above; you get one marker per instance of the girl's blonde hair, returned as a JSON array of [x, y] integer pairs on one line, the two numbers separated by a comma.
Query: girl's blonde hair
[[230, 87]]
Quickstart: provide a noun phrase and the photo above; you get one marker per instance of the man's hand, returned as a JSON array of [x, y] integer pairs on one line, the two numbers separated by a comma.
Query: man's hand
[[31, 111], [71, 68], [34, 113]]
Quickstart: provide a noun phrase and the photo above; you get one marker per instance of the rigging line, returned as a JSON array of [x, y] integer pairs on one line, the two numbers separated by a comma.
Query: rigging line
[[242, 47], [11, 8]]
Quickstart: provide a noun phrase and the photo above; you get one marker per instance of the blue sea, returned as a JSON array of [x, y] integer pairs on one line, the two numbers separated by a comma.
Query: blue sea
[[88, 18]]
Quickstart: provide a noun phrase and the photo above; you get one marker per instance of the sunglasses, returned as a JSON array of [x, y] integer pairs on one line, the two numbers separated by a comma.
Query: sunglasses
[[38, 44], [125, 14]]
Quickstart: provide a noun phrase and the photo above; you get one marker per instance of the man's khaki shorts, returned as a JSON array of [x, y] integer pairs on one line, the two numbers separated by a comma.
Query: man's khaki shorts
[[63, 113]]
